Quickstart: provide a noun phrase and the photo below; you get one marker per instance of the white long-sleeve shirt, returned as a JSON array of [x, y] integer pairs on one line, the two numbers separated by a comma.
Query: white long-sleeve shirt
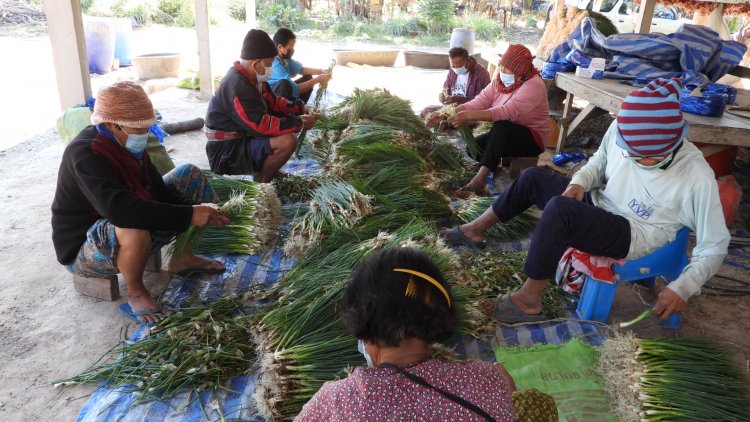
[[658, 203]]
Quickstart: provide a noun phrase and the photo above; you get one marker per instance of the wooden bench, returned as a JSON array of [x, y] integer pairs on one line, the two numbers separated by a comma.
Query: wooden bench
[[107, 288]]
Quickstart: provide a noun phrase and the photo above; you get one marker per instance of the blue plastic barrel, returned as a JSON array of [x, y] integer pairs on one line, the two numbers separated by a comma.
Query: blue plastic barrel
[[123, 40], [100, 44]]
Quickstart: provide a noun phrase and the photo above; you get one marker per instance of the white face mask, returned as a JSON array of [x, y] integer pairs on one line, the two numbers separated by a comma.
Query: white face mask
[[460, 70], [267, 75], [362, 349], [507, 79]]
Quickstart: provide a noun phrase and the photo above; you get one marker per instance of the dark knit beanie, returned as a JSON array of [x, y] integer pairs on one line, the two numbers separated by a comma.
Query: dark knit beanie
[[257, 45]]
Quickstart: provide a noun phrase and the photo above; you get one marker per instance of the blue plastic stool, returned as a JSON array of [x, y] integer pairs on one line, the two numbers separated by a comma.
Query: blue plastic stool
[[667, 262]]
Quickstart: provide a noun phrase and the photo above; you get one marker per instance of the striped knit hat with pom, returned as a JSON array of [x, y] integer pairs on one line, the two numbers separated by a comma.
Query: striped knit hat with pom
[[125, 104], [650, 123]]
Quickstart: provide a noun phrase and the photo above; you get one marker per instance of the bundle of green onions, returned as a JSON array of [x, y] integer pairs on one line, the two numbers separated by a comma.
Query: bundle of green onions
[[674, 379], [196, 349], [334, 204], [381, 106], [319, 94], [464, 131], [255, 216], [518, 228]]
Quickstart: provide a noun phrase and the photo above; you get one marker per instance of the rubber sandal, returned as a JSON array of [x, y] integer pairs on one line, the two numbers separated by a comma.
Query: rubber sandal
[[128, 312], [507, 312], [455, 237]]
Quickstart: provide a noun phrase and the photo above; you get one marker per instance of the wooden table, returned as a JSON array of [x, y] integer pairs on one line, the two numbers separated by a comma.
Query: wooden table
[[607, 95]]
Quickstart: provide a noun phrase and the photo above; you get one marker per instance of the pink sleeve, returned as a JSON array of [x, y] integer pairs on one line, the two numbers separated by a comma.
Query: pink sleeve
[[523, 101], [483, 101]]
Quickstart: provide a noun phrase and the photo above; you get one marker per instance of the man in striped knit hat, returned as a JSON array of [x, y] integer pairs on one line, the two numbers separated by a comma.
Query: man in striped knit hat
[[643, 185]]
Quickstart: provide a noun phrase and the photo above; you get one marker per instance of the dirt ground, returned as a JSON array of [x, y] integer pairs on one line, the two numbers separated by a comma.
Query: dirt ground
[[48, 332]]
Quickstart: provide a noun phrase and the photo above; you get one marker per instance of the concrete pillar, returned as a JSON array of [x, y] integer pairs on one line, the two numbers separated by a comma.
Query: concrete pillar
[[65, 26], [202, 26], [250, 14]]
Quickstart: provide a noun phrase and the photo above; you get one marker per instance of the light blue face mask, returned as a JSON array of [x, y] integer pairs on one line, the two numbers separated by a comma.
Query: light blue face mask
[[507, 79], [460, 70], [267, 75], [362, 349], [136, 143]]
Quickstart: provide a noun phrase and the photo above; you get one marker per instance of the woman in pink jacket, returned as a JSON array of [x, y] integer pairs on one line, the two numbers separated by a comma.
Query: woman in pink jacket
[[516, 103]]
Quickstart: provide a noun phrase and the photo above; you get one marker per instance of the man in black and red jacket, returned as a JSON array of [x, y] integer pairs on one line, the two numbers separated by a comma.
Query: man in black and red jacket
[[249, 129]]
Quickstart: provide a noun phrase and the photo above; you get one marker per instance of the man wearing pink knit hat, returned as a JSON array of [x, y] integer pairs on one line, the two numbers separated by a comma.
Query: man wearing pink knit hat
[[112, 208], [644, 184]]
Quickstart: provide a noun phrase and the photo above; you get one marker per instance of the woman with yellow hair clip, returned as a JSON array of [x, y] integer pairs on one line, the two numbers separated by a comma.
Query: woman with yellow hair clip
[[398, 305]]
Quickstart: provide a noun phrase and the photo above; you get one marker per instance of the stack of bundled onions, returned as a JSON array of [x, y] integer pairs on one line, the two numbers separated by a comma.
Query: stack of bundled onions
[[302, 341], [675, 379], [334, 204], [464, 131], [381, 106], [518, 228], [255, 216], [197, 349]]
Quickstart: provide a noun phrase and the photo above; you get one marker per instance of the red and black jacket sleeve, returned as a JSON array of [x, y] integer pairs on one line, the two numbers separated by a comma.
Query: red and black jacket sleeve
[[238, 106]]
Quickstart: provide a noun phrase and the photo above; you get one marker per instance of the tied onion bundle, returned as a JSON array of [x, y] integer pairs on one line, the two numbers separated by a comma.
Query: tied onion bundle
[[465, 132], [196, 349], [517, 228], [319, 94], [379, 105], [334, 204], [672, 379], [255, 217]]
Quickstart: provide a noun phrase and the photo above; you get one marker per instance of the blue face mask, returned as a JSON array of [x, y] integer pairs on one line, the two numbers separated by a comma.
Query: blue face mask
[[362, 349], [460, 70], [507, 79], [135, 143]]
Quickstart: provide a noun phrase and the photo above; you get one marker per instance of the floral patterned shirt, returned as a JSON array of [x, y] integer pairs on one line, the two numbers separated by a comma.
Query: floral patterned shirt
[[383, 394]]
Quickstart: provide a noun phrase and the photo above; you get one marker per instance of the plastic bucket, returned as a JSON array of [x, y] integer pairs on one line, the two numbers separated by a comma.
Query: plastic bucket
[[463, 37], [123, 40], [100, 44]]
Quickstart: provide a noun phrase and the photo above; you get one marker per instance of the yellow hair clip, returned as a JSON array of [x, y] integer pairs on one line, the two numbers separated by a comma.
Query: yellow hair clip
[[411, 288]]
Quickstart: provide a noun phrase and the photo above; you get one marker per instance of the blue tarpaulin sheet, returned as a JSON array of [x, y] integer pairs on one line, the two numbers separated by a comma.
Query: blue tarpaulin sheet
[[694, 53], [245, 273]]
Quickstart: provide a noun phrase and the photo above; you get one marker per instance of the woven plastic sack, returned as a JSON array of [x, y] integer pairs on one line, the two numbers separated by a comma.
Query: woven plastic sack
[[566, 372]]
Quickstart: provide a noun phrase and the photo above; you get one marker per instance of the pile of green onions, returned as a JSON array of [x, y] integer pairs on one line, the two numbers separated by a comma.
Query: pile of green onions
[[672, 379], [334, 204], [198, 349]]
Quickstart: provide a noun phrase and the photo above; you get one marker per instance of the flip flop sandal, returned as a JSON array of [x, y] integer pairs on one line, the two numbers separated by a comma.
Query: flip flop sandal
[[133, 315], [507, 312], [455, 237]]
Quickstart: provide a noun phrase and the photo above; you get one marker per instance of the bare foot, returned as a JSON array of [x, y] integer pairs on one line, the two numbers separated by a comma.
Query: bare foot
[[140, 302], [473, 235], [195, 263]]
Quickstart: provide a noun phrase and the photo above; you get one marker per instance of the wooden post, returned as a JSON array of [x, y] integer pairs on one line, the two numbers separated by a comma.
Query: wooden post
[[645, 14], [202, 27], [250, 14], [65, 26], [104, 288]]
